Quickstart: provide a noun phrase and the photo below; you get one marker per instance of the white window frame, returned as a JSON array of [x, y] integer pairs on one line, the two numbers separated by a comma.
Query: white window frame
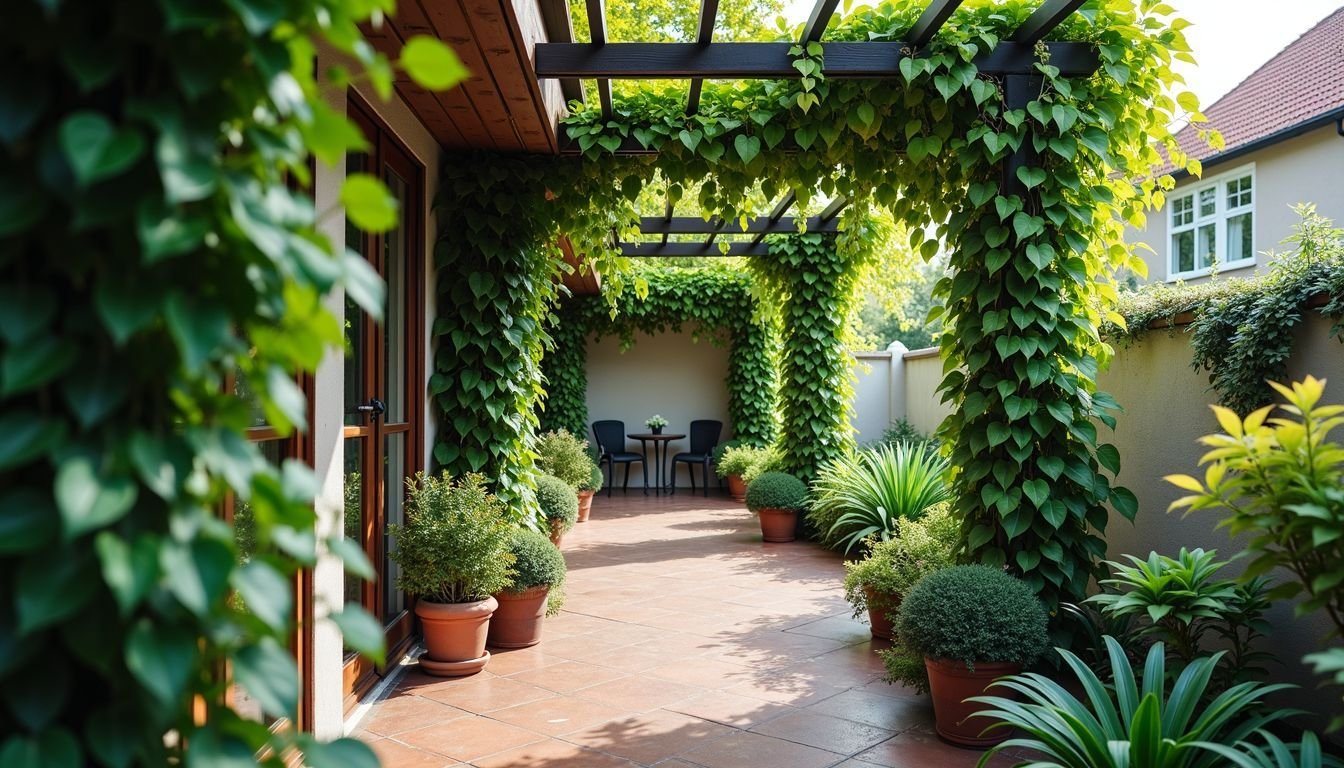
[[1222, 212]]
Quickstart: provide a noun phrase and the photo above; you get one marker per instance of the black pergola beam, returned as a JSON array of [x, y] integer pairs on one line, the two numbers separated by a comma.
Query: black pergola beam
[[818, 19], [782, 207], [1043, 20], [560, 29], [694, 225], [934, 17], [597, 30], [709, 10], [771, 61], [702, 250], [832, 210]]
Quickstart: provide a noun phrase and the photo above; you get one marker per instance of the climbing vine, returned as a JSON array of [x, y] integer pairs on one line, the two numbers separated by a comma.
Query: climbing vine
[[717, 303], [1242, 330], [157, 240], [813, 280]]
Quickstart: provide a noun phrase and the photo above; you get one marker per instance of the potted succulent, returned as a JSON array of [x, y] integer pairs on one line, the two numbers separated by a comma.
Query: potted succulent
[[655, 424], [565, 456], [777, 498], [877, 583], [972, 624], [559, 505], [536, 589], [454, 554], [588, 488]]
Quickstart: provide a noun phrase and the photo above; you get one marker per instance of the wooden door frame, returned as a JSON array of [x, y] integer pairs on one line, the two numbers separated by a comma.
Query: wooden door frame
[[386, 150]]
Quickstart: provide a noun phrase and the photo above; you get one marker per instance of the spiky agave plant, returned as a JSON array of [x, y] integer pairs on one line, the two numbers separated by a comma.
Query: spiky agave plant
[[1138, 723], [864, 494]]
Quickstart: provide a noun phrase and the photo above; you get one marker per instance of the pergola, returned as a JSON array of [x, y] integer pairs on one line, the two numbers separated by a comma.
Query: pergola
[[1012, 62]]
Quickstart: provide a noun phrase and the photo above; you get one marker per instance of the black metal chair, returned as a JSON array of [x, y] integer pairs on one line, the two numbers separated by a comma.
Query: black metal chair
[[610, 437], [704, 436]]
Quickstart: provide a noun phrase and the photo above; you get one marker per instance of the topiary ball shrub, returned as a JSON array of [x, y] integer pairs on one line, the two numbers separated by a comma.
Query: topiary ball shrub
[[558, 501], [537, 563], [973, 613], [776, 490]]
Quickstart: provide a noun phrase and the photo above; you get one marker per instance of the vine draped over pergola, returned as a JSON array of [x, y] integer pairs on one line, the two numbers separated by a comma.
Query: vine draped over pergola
[[981, 130]]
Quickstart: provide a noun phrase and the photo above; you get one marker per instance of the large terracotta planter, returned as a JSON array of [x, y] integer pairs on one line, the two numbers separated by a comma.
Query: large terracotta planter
[[557, 532], [778, 524], [880, 607], [517, 621], [737, 488], [585, 505], [455, 636], [950, 684]]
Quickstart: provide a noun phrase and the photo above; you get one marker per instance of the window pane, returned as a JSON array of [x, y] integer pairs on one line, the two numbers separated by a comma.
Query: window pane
[[1182, 210], [354, 513], [1239, 192], [356, 358], [1208, 245], [1208, 202], [1183, 251], [1239, 246], [394, 492], [394, 322]]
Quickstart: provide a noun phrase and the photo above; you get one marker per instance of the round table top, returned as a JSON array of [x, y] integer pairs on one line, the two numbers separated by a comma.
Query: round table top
[[651, 436]]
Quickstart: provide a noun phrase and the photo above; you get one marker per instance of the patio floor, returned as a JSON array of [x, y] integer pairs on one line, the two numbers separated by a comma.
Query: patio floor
[[686, 641]]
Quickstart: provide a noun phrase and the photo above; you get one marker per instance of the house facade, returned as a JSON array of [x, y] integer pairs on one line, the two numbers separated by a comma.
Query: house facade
[[1283, 128]]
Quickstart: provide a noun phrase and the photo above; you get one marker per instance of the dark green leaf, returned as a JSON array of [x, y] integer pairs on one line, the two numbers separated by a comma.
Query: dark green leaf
[[267, 672]]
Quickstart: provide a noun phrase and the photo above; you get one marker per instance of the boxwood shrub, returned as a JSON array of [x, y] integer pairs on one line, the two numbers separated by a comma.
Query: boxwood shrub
[[973, 613], [558, 501], [537, 563], [776, 490]]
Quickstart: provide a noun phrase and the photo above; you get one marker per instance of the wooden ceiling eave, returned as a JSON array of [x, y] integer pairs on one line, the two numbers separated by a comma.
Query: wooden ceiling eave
[[583, 280]]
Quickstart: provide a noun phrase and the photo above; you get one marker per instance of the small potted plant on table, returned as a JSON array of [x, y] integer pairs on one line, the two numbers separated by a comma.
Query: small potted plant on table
[[454, 554], [655, 424], [536, 589], [972, 624], [878, 583], [559, 505], [777, 498]]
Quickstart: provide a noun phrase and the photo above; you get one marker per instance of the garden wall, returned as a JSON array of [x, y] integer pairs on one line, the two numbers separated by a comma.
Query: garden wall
[[1166, 410], [668, 374]]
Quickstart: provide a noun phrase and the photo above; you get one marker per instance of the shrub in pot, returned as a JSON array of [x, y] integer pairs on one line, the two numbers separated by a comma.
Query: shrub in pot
[[559, 505], [454, 554], [732, 463], [877, 583], [972, 624], [536, 589], [777, 498], [588, 488], [561, 454]]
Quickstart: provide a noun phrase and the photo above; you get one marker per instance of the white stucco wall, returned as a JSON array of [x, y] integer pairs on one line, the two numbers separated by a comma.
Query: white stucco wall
[[1305, 169], [873, 382], [667, 374]]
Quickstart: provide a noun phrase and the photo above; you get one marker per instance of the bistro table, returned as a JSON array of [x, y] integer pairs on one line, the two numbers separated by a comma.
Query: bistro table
[[660, 442]]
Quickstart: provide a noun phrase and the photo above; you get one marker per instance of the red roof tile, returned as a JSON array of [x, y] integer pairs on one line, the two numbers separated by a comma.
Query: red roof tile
[[1304, 81]]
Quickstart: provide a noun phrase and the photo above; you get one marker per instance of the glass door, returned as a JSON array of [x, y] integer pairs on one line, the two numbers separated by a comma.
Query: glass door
[[383, 404]]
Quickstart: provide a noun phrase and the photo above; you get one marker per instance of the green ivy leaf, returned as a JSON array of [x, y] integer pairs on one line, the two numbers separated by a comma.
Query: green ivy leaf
[[200, 572], [1109, 457], [748, 147], [130, 570], [90, 498], [361, 632], [96, 149], [341, 753], [368, 203], [432, 64], [161, 659], [267, 672], [51, 749], [265, 592]]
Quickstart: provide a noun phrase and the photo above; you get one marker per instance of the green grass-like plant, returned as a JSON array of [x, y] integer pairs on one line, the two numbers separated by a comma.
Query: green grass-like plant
[[565, 456], [1142, 722], [973, 613], [865, 493], [537, 563], [918, 548], [776, 490], [454, 547], [557, 501]]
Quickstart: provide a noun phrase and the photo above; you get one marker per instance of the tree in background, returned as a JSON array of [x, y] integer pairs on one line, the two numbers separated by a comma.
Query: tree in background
[[632, 21], [897, 303]]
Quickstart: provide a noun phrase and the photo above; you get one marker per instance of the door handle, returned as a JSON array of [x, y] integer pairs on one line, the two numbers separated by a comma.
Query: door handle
[[374, 407]]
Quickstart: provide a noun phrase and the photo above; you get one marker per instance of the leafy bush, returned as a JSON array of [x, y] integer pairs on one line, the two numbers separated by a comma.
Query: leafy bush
[[594, 481], [766, 460], [565, 456], [776, 490], [973, 613], [1179, 601], [454, 547], [865, 493], [892, 567], [716, 455], [902, 432], [737, 459], [537, 563], [1138, 722], [557, 501], [1281, 481]]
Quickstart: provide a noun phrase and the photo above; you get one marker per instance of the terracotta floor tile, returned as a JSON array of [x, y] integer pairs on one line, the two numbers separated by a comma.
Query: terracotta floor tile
[[651, 737], [894, 713], [487, 694], [709, 674], [393, 753], [638, 693], [469, 738], [551, 753], [730, 709], [840, 628], [504, 663], [915, 749], [824, 732], [568, 676], [752, 750], [404, 712], [561, 714]]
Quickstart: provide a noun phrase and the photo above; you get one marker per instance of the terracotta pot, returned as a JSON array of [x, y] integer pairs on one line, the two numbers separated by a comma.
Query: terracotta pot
[[880, 607], [950, 684], [737, 488], [778, 524], [557, 532], [455, 636], [585, 505], [517, 622]]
